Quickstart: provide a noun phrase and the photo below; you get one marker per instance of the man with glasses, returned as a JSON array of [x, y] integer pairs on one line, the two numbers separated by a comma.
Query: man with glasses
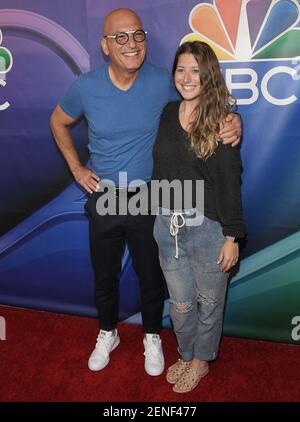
[[122, 102]]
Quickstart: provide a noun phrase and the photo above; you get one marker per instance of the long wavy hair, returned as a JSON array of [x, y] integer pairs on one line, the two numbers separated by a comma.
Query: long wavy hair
[[214, 102]]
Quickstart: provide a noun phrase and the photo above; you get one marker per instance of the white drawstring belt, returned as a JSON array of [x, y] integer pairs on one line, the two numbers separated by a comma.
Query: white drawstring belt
[[174, 228]]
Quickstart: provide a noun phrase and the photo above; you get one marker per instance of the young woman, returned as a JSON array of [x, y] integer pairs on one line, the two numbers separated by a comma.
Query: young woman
[[197, 247]]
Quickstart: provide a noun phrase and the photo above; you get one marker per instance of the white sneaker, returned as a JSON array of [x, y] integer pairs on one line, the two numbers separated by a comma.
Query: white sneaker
[[154, 358], [107, 341]]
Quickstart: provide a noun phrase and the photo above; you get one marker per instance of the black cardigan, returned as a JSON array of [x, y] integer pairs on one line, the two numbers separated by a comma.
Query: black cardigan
[[174, 159]]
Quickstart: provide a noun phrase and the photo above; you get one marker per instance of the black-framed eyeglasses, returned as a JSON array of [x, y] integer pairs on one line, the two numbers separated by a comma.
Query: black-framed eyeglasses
[[123, 37]]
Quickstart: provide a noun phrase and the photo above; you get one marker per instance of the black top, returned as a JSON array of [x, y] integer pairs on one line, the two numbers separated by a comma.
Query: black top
[[174, 159]]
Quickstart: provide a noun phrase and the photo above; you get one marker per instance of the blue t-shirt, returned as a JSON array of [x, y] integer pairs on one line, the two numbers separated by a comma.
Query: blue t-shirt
[[122, 125]]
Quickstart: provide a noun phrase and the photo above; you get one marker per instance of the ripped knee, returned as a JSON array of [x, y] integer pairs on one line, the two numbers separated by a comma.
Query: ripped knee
[[205, 300], [182, 307]]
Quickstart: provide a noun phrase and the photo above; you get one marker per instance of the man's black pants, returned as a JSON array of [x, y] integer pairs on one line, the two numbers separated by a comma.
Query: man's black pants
[[108, 236]]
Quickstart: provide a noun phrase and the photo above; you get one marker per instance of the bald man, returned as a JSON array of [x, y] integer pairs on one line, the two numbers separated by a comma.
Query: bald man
[[122, 102]]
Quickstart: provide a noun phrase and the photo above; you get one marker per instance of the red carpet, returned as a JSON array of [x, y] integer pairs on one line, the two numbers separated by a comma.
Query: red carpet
[[44, 358]]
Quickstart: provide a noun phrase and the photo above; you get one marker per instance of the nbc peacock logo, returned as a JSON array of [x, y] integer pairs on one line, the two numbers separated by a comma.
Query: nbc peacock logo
[[248, 30], [6, 60], [260, 32]]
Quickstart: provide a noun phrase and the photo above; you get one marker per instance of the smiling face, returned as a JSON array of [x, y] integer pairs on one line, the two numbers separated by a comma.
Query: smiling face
[[187, 77], [127, 58]]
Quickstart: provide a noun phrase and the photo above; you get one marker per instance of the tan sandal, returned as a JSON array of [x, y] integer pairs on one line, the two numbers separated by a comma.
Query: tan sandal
[[190, 379], [176, 370]]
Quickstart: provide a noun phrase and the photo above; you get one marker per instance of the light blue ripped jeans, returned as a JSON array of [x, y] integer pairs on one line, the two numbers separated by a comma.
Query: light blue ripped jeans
[[197, 287]]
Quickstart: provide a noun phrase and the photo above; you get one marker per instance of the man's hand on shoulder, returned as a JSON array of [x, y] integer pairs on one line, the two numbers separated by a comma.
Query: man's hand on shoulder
[[231, 130]]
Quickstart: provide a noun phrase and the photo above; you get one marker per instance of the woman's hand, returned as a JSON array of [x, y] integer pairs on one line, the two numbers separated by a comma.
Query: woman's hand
[[229, 255]]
